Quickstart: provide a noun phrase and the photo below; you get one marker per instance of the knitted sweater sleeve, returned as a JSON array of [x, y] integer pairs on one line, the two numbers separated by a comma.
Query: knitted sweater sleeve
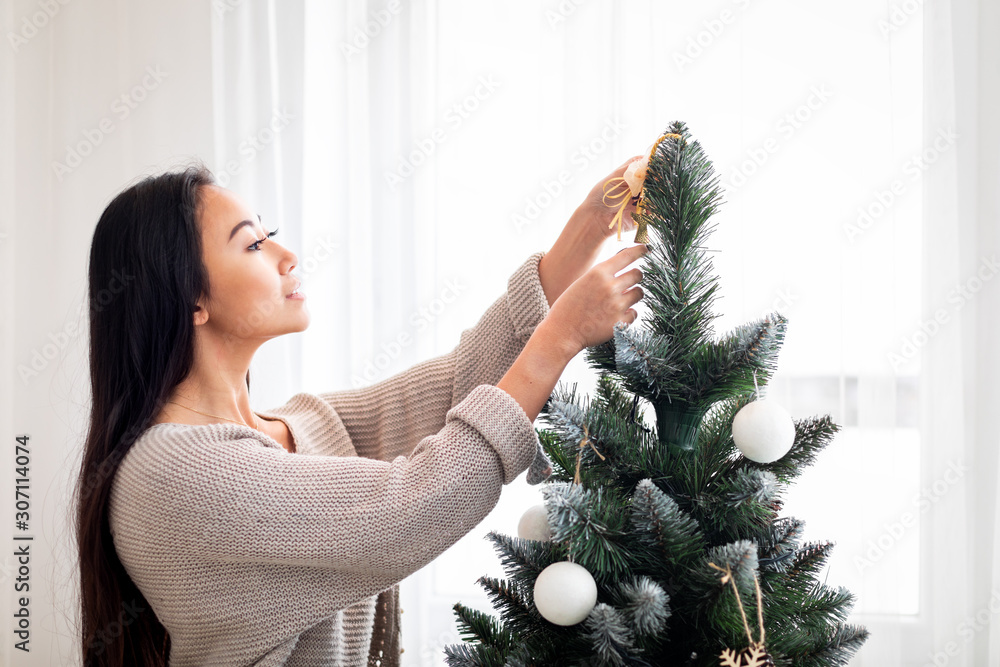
[[309, 533], [388, 418]]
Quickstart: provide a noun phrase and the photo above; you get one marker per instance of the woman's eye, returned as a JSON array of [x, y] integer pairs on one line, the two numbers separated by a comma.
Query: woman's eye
[[256, 246]]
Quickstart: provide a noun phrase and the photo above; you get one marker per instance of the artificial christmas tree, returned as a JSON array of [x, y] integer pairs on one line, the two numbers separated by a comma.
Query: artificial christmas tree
[[676, 523]]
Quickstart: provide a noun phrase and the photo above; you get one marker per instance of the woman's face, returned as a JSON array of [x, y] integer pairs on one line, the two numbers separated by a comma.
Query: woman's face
[[249, 281]]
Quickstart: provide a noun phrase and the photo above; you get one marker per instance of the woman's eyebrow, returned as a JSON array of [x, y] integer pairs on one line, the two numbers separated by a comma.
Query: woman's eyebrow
[[240, 224]]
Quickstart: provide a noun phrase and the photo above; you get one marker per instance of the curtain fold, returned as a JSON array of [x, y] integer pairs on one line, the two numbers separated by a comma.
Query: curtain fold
[[961, 189], [948, 356], [987, 565], [369, 97]]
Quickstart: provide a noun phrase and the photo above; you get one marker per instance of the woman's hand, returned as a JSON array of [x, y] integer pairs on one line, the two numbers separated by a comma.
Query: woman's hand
[[583, 315], [594, 212], [586, 313], [580, 242]]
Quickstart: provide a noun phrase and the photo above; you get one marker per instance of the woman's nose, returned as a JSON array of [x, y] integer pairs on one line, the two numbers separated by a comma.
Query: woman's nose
[[289, 256]]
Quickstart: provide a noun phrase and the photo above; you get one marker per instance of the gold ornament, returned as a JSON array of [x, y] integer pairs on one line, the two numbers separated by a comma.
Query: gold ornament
[[630, 189], [754, 655]]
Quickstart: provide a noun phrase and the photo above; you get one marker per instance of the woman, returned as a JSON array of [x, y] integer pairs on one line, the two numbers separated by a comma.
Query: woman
[[279, 537]]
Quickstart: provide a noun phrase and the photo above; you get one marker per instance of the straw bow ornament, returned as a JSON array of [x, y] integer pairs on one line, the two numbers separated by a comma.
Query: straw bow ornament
[[628, 188]]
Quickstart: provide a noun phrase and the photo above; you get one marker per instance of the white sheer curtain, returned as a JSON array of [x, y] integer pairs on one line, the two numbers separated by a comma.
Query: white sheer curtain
[[413, 154], [962, 64]]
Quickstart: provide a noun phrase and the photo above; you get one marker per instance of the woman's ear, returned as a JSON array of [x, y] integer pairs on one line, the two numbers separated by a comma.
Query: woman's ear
[[200, 313]]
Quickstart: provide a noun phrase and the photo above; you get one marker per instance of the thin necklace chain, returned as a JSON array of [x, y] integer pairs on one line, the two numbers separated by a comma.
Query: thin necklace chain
[[257, 426]]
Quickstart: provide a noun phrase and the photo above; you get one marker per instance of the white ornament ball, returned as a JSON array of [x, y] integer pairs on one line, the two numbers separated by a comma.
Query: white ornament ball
[[565, 593], [534, 525], [763, 431]]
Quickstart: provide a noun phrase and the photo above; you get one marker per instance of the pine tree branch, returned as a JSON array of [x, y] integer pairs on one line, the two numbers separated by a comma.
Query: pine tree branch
[[672, 538], [729, 366], [644, 604], [608, 634], [840, 646], [649, 364], [810, 559], [611, 397], [601, 357], [823, 607], [563, 460], [833, 646], [522, 559], [812, 435], [716, 451], [516, 605], [475, 655], [594, 526], [779, 544], [474, 625], [681, 193], [738, 506]]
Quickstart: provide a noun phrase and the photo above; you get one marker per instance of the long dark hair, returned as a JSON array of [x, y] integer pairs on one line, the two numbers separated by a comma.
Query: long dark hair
[[146, 273]]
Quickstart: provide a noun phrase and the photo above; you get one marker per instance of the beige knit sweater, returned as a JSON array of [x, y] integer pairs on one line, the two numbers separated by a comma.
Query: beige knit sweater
[[249, 554]]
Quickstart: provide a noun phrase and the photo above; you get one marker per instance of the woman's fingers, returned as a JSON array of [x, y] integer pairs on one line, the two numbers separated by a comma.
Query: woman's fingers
[[631, 277], [626, 256], [624, 165], [635, 294]]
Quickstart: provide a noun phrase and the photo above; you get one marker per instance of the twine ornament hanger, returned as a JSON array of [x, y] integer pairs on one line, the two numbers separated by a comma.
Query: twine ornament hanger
[[584, 441], [755, 655]]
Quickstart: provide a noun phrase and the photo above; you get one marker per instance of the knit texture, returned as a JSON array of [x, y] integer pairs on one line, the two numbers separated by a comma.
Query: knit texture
[[251, 555]]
